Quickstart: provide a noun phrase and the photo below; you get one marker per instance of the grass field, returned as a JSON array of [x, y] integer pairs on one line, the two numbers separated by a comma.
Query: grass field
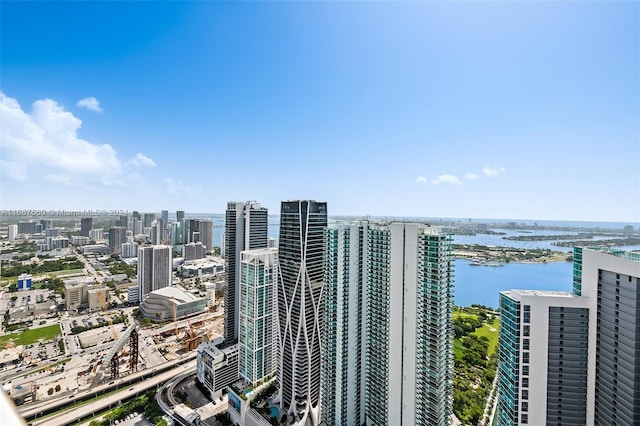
[[56, 274], [486, 331], [33, 336], [457, 348]]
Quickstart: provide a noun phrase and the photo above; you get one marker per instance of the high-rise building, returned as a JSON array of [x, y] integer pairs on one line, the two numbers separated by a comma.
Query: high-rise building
[[86, 225], [573, 358], [245, 229], [179, 215], [129, 250], [27, 227], [12, 231], [164, 215], [154, 269], [344, 325], [148, 219], [300, 278], [409, 293], [542, 352], [193, 251], [610, 279], [206, 234], [258, 342], [117, 237]]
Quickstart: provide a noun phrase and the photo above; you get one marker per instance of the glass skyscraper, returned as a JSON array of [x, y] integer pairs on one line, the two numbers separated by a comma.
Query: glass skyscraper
[[300, 279], [257, 341]]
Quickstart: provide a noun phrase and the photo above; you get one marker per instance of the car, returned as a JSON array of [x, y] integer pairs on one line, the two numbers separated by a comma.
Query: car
[[130, 389]]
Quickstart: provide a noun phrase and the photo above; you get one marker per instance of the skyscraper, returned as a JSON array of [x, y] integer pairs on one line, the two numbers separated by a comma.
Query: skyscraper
[[300, 277], [179, 215], [344, 325], [148, 219], [409, 358], [542, 377], [573, 358], [164, 215], [258, 342], [117, 237], [245, 229], [154, 269], [206, 234], [86, 224], [610, 279]]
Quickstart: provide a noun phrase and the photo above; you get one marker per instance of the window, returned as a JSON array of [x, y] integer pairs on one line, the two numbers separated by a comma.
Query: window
[[524, 419], [526, 330], [525, 357]]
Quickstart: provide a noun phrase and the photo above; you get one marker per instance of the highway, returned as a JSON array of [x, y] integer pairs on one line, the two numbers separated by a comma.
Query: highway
[[129, 389]]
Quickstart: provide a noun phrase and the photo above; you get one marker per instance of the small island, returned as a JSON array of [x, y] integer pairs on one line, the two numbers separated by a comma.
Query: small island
[[481, 255]]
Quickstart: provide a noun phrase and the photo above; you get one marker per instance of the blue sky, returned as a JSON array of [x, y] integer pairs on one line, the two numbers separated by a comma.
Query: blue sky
[[523, 110]]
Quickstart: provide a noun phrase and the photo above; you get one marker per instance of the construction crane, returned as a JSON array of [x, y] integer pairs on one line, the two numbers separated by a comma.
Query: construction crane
[[9, 345], [106, 314]]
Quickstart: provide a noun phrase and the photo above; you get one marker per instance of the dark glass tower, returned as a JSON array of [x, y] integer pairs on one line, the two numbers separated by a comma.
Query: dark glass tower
[[300, 276], [245, 229]]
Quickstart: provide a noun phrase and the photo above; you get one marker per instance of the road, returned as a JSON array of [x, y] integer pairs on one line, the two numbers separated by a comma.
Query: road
[[77, 413]]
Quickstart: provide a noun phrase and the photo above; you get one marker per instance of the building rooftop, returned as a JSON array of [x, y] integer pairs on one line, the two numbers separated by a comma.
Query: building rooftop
[[517, 294], [180, 296], [629, 255]]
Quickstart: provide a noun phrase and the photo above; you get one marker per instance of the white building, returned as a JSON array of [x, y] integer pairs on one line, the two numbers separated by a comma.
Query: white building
[[154, 269], [133, 294], [217, 368], [193, 251], [129, 250], [12, 231], [258, 315], [572, 359], [409, 326], [79, 240], [210, 291], [96, 234]]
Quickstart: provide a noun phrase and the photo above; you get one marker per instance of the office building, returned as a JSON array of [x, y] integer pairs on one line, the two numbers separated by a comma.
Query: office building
[[46, 224], [245, 229], [257, 341], [300, 277], [117, 237], [573, 359], [193, 251], [28, 227], [542, 376], [12, 231], [210, 293], [409, 293], [86, 225], [154, 269], [78, 240], [133, 294], [148, 219], [344, 325], [164, 215], [179, 215]]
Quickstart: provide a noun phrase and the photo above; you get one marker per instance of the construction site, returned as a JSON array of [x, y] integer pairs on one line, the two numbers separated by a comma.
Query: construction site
[[103, 352]]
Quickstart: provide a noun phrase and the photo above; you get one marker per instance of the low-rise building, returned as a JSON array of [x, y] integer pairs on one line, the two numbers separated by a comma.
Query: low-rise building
[[163, 304], [25, 281], [79, 240]]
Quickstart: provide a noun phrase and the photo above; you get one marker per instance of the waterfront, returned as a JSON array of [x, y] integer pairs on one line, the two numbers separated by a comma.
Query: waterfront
[[481, 284]]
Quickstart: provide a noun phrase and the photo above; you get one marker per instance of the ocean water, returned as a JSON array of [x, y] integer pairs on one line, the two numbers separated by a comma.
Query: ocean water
[[482, 284]]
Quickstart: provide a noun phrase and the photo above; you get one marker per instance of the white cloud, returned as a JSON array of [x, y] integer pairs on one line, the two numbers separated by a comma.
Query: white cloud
[[142, 160], [46, 140], [178, 188], [421, 179], [446, 179], [471, 176], [90, 103], [493, 170]]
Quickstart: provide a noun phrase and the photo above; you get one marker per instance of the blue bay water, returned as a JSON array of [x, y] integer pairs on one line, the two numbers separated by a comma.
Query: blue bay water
[[481, 284]]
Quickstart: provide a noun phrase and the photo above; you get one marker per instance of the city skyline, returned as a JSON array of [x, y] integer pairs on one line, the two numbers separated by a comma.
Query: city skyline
[[488, 110]]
